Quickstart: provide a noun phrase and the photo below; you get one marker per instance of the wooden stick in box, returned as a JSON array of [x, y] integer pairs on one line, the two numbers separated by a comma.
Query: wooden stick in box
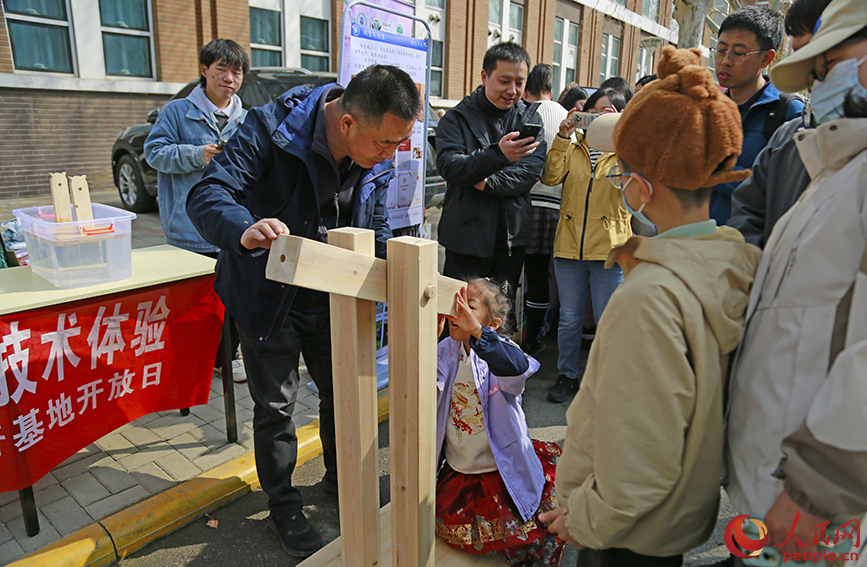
[[60, 197], [80, 198]]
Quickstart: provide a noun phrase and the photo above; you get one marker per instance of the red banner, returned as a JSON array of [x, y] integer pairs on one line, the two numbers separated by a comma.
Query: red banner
[[72, 373]]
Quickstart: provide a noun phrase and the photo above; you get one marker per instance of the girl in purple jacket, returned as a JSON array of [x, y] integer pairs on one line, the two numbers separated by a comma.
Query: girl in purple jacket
[[494, 477]]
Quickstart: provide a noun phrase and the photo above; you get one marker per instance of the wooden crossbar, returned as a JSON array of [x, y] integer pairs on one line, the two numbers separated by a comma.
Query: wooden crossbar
[[315, 265]]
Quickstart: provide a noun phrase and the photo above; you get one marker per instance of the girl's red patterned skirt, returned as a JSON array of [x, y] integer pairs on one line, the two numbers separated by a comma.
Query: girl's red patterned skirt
[[475, 513]]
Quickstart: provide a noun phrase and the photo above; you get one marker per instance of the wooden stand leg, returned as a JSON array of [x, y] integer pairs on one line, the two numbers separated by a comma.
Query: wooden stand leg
[[228, 383], [353, 348], [412, 311], [28, 509]]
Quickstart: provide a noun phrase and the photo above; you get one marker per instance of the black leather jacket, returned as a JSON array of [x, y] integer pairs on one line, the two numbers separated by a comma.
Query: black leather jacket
[[467, 155]]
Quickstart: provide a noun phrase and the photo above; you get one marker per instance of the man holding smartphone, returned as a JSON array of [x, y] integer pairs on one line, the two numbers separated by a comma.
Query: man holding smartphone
[[489, 168]]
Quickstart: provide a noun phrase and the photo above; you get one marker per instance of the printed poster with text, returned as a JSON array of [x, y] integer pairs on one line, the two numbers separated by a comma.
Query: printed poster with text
[[365, 46]]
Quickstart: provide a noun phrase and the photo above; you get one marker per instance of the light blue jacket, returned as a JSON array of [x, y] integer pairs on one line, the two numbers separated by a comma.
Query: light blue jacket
[[174, 149], [505, 423]]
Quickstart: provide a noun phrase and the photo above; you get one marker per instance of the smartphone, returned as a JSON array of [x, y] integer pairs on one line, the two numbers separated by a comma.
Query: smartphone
[[529, 131], [221, 144], [582, 120]]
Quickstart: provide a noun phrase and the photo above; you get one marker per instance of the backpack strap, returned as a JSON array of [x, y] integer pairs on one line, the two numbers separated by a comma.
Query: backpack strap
[[777, 114]]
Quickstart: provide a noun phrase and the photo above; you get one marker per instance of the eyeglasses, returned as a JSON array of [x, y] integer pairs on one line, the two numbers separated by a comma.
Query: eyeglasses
[[736, 56], [616, 177]]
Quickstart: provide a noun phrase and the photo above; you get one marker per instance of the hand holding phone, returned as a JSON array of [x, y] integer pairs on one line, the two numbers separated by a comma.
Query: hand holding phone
[[581, 120], [221, 144], [529, 131]]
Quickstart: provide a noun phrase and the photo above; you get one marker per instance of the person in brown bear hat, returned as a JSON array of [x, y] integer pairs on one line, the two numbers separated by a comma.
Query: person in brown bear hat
[[638, 482]]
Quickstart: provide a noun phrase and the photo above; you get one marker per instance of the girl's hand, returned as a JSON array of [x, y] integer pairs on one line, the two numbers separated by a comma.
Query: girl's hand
[[465, 319], [556, 519], [567, 126], [441, 324], [609, 110]]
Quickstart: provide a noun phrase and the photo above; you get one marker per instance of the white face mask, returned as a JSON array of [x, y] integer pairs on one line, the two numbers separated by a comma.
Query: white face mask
[[826, 97]]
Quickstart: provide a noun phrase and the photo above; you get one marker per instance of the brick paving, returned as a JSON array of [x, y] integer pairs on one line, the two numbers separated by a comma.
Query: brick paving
[[140, 459]]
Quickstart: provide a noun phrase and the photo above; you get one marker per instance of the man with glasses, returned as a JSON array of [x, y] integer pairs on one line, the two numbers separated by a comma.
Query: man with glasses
[[748, 40]]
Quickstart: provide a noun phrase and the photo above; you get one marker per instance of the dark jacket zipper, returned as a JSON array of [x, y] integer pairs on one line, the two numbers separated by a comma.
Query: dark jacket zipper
[[587, 204]]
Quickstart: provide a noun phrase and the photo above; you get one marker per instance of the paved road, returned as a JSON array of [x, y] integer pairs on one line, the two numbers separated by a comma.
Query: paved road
[[243, 538]]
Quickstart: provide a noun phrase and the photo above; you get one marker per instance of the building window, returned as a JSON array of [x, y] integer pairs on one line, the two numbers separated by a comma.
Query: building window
[[558, 52], [40, 35], [495, 12], [650, 9], [610, 57], [436, 68], [516, 23], [314, 44], [126, 38], [645, 62], [571, 52], [266, 46], [441, 4]]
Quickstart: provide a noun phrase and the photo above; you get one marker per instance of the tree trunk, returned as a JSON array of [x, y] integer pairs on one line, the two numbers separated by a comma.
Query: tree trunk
[[690, 16]]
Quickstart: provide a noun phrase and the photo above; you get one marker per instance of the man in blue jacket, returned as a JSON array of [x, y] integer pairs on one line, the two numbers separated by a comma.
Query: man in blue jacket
[[309, 162], [187, 134], [748, 40]]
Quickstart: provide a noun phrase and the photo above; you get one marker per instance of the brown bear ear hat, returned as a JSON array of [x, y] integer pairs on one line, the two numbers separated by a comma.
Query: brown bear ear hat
[[681, 130]]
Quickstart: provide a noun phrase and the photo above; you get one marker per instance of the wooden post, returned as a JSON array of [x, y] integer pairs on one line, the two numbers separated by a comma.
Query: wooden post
[[353, 355], [412, 312]]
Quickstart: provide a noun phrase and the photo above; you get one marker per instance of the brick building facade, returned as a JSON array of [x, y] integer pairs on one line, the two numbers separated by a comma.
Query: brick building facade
[[74, 73]]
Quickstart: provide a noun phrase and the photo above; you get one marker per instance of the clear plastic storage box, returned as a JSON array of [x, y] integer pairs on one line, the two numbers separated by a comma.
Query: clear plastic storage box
[[78, 253]]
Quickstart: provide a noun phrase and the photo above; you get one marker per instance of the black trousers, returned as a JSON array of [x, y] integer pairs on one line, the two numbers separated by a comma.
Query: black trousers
[[272, 376], [617, 557], [502, 267]]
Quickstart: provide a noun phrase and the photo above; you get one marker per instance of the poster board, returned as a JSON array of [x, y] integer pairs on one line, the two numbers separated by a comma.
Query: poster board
[[383, 35]]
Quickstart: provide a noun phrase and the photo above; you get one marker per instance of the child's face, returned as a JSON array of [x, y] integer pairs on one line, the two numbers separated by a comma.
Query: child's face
[[476, 303]]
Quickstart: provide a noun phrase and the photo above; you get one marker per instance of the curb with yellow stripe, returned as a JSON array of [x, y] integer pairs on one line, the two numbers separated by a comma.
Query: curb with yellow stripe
[[127, 531]]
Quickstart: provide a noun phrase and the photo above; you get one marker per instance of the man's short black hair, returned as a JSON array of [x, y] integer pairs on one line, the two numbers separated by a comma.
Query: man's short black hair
[[617, 98], [505, 51], [574, 94], [646, 79], [619, 84], [381, 89], [766, 24], [539, 80], [802, 15], [225, 51]]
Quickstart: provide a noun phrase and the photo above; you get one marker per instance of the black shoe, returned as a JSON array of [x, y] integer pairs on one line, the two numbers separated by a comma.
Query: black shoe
[[533, 347], [297, 537], [563, 390], [329, 485]]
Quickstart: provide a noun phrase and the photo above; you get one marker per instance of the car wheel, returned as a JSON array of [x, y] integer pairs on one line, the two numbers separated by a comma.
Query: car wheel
[[132, 191]]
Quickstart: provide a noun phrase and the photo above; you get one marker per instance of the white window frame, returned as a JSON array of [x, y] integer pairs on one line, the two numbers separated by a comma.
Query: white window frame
[[73, 51], [122, 31], [606, 58], [515, 34], [282, 35], [310, 52], [495, 29], [568, 54]]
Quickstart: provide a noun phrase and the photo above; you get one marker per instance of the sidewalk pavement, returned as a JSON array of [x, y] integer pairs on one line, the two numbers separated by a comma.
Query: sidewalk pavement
[[141, 459]]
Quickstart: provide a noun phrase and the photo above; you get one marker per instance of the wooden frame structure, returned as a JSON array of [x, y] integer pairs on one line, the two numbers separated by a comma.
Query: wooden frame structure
[[402, 533]]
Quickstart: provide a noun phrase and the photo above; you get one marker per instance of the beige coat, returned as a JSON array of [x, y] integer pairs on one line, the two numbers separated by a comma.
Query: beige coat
[[591, 224], [642, 457]]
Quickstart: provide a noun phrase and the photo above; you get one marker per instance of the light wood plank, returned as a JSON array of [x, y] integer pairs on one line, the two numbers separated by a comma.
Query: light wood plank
[[353, 352], [315, 265], [412, 264], [60, 197], [80, 198]]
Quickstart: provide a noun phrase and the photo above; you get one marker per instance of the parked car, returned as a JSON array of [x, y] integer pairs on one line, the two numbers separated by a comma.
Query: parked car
[[136, 180]]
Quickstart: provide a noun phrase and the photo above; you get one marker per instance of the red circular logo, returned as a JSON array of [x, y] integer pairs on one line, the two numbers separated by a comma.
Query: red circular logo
[[742, 545]]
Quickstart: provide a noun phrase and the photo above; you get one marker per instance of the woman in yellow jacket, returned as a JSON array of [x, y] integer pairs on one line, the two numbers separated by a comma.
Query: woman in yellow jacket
[[592, 221]]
